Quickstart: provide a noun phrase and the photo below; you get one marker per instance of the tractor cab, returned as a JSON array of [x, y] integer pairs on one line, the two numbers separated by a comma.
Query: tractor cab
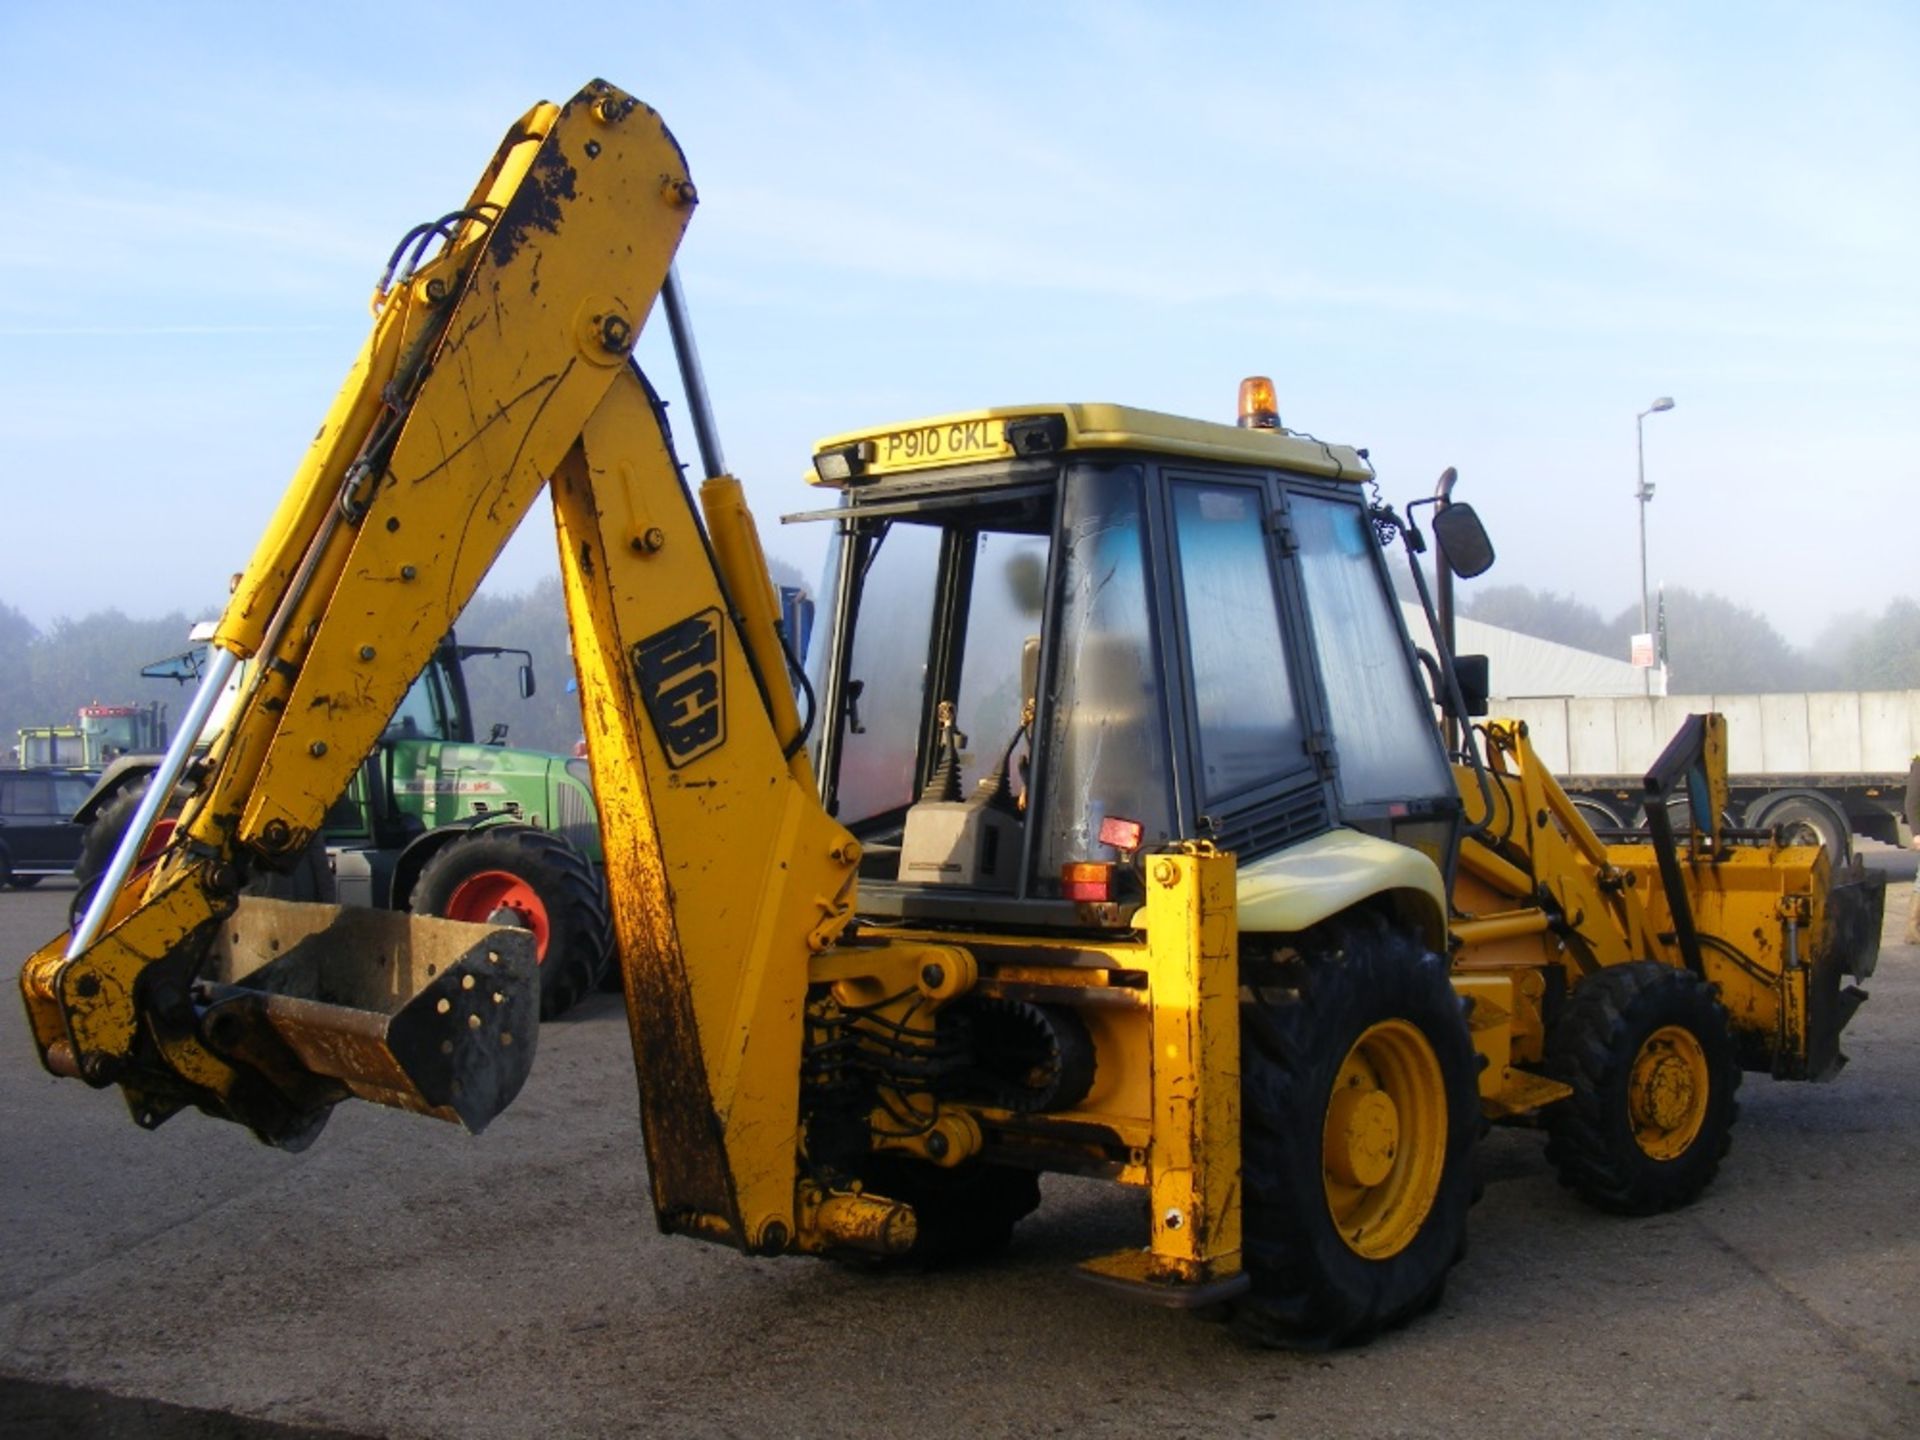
[[1066, 636]]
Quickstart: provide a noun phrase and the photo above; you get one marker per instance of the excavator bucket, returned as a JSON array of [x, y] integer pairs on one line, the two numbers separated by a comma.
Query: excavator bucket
[[429, 1015], [274, 1012]]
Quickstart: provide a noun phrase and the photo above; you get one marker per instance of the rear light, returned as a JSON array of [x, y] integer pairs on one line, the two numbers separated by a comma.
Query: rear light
[[1087, 880], [1121, 833], [1259, 409]]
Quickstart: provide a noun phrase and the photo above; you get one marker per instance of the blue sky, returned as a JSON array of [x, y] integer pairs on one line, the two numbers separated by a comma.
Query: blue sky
[[1477, 235]]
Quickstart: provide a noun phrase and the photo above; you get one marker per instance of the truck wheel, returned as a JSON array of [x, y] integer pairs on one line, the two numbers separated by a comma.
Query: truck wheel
[[1651, 1060], [1803, 820], [1359, 1112], [965, 1214], [1597, 813], [516, 875], [310, 879]]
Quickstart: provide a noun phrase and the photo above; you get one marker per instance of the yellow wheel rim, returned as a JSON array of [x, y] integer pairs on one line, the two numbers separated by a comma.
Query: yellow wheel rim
[[1384, 1145], [1667, 1092]]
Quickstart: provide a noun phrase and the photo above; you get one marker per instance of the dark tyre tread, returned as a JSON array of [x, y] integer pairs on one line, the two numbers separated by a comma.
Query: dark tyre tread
[[580, 926], [310, 878], [1310, 1290], [1590, 1140]]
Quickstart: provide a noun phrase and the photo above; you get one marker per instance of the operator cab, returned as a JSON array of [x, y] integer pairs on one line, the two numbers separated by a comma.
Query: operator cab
[[1070, 635]]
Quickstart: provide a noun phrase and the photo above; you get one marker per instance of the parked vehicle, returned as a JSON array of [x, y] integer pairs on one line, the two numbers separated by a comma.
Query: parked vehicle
[[1821, 766], [435, 820], [38, 836], [104, 733]]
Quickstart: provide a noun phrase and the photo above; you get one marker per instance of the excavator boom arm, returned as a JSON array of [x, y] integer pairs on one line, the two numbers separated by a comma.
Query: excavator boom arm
[[496, 367]]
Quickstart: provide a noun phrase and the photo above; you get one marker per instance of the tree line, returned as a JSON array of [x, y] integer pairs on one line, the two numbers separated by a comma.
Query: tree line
[[1714, 646], [47, 675]]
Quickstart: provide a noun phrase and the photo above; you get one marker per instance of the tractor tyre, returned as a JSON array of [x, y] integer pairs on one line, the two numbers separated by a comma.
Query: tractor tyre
[[517, 875], [310, 878], [1359, 1113], [1648, 1052], [965, 1214]]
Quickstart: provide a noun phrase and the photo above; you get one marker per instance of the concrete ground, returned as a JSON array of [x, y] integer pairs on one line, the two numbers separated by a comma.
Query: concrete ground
[[402, 1279]]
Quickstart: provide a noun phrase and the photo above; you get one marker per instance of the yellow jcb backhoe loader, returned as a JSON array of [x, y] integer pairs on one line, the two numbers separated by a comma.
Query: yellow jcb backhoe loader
[[1112, 832]]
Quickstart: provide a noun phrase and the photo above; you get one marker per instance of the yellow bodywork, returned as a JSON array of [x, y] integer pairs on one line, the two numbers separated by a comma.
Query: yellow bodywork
[[1540, 899], [1298, 888], [970, 436]]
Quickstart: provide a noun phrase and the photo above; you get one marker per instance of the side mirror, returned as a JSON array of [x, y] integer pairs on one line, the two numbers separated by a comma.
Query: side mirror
[[1475, 681], [526, 681], [796, 614], [1463, 540]]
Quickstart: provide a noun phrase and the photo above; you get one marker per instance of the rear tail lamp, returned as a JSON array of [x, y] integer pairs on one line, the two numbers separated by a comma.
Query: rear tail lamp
[[1087, 880]]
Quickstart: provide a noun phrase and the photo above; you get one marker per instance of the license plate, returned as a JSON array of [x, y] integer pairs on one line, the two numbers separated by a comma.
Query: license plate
[[955, 440]]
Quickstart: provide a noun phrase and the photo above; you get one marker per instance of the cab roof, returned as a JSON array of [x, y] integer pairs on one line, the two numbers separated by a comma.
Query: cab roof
[[860, 458]]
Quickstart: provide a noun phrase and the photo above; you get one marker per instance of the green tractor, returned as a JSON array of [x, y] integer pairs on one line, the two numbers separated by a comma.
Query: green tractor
[[434, 822]]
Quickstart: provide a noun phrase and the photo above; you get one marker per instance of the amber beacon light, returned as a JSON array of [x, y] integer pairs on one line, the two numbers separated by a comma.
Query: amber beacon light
[[1259, 410]]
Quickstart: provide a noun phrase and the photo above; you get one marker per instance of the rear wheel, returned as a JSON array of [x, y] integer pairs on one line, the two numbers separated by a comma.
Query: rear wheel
[[1359, 1110], [516, 875], [23, 882], [309, 878], [1651, 1061]]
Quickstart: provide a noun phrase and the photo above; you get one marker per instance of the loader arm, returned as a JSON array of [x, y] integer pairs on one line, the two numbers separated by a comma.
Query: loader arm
[[497, 367]]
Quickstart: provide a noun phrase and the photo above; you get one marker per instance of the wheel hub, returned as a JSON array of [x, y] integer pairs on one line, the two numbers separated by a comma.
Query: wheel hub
[[1384, 1140], [1667, 1092], [1363, 1129], [499, 897]]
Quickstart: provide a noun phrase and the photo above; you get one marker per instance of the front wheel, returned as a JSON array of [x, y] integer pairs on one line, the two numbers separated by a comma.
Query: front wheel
[[516, 875], [1359, 1111], [1651, 1061]]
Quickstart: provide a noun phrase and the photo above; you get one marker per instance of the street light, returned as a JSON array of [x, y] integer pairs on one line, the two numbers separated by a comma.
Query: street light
[[1643, 494]]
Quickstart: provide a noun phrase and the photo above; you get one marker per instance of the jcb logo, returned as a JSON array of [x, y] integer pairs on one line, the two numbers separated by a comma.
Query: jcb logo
[[681, 686]]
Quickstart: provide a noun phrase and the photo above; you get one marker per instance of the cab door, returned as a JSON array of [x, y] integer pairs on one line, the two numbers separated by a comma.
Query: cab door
[[1256, 771]]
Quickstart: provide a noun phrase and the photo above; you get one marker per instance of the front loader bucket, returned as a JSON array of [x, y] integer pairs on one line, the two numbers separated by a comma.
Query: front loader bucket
[[435, 1016], [1856, 911]]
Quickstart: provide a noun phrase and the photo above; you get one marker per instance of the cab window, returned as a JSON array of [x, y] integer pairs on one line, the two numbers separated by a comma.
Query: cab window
[[1248, 725], [422, 711], [28, 795], [887, 673], [1383, 732], [1106, 749]]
